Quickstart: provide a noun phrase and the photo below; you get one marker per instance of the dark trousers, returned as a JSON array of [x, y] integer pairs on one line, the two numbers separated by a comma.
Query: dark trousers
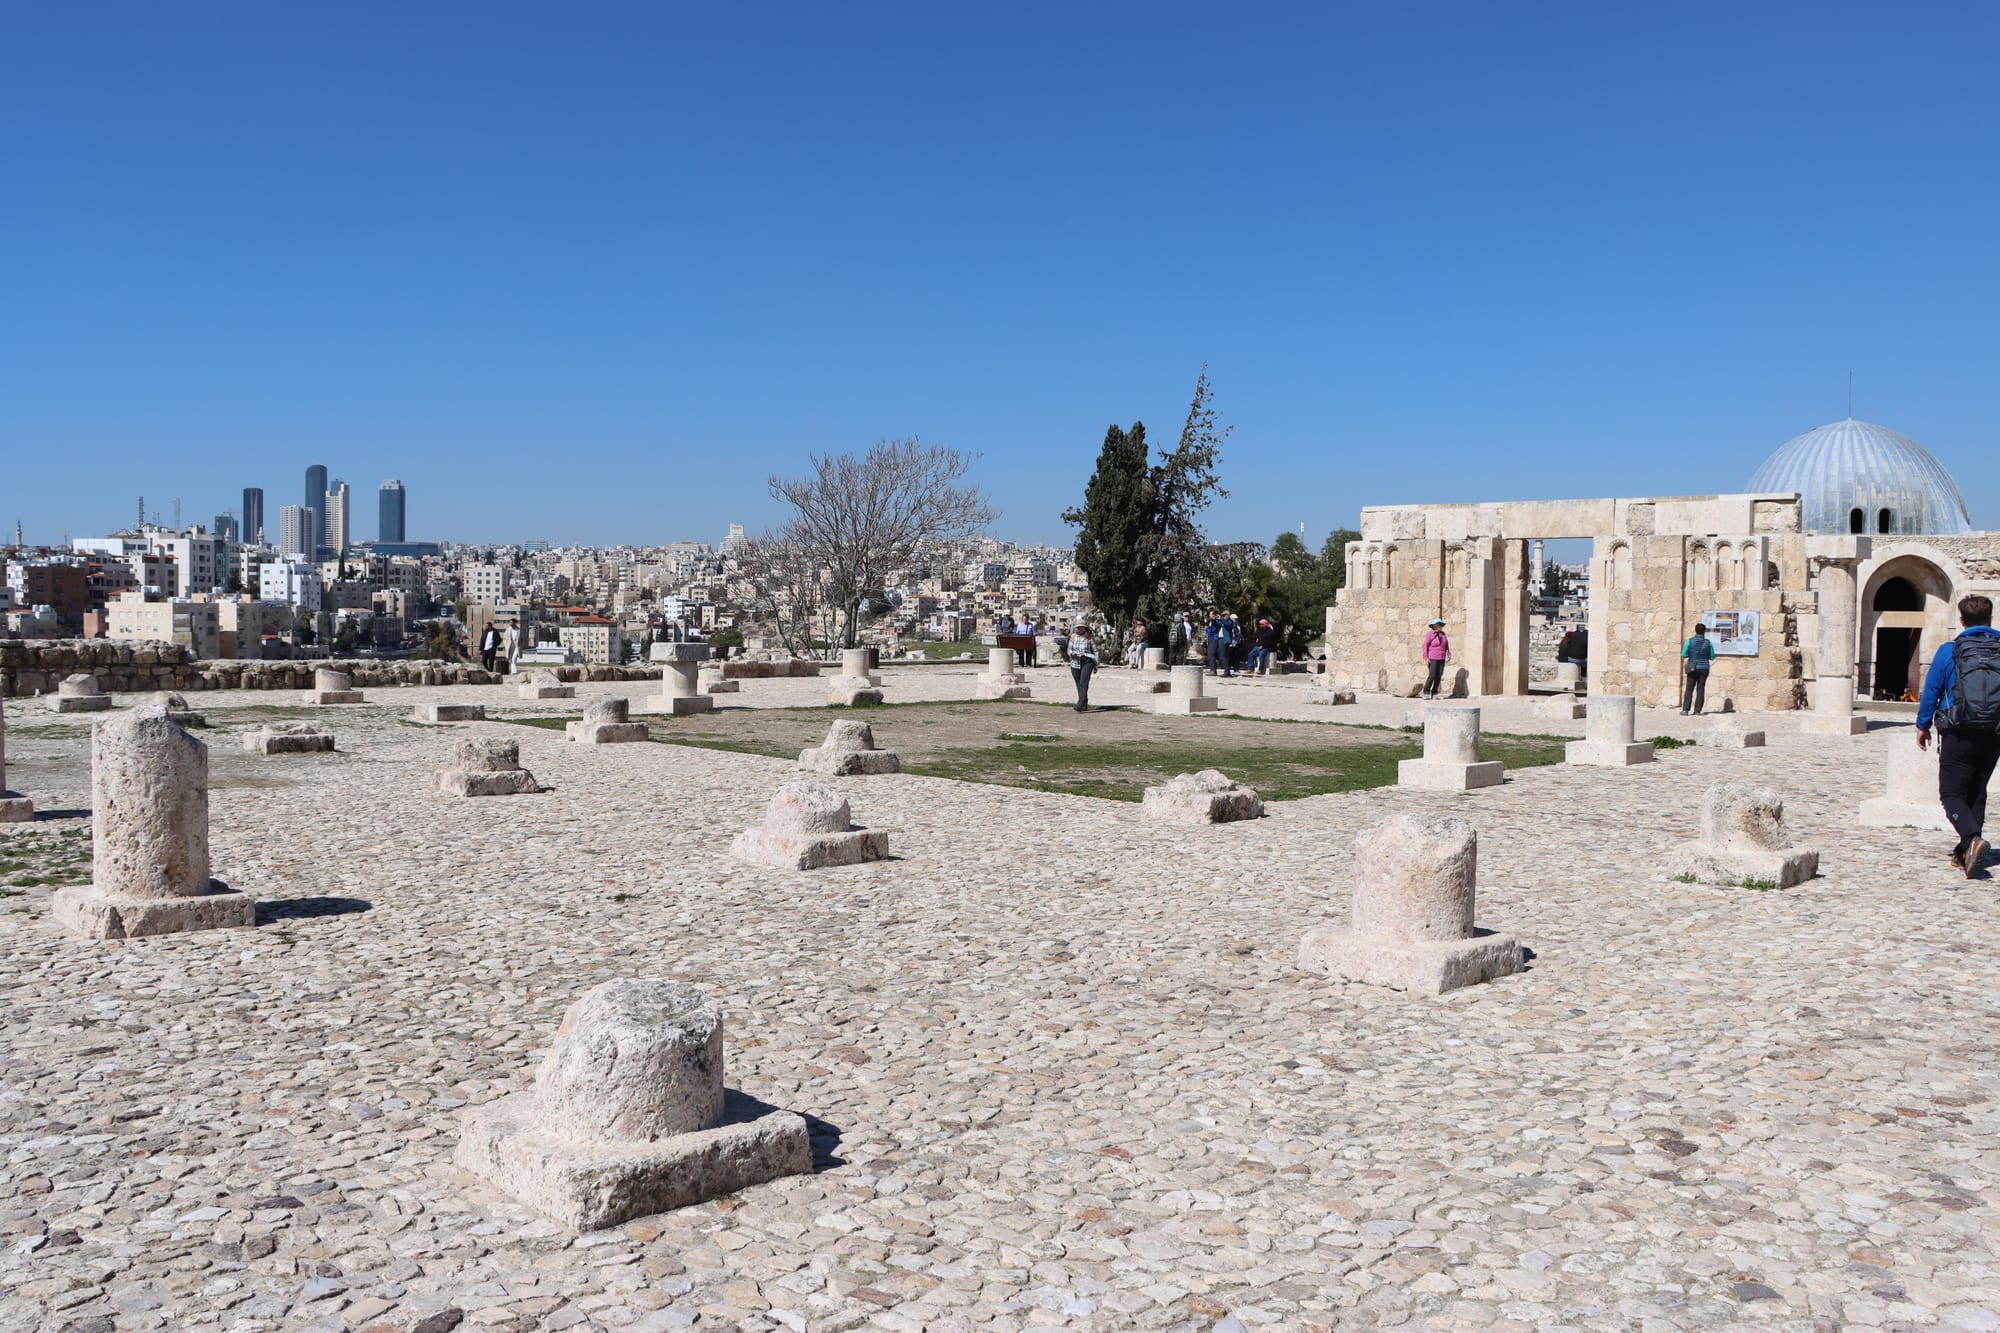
[[1695, 693], [1433, 676], [1965, 766], [486, 657], [1080, 673]]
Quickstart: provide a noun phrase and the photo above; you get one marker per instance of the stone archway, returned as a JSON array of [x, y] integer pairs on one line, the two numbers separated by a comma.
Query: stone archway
[[1905, 615]]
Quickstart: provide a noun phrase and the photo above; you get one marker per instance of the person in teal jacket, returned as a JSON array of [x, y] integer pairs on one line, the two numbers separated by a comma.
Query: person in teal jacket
[[1698, 654]]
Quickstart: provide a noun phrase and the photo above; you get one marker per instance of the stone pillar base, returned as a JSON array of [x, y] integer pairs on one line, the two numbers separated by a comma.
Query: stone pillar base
[[548, 692], [1730, 738], [849, 763], [87, 910], [722, 686], [1819, 724], [1881, 812], [81, 703], [262, 743], [1000, 689], [1606, 754], [1731, 869], [1441, 776], [1317, 695], [1421, 967], [1180, 705], [607, 733], [846, 698], [334, 697], [516, 782], [590, 1186], [16, 809], [680, 705], [448, 713], [1561, 707], [809, 851]]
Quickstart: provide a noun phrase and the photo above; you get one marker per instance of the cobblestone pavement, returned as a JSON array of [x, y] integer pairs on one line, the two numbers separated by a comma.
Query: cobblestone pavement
[[1061, 1067]]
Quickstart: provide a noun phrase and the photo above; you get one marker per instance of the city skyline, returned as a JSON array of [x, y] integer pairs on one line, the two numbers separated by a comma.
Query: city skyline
[[1425, 258]]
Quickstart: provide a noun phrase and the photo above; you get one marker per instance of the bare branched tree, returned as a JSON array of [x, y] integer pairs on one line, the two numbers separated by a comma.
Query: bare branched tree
[[861, 519], [787, 591]]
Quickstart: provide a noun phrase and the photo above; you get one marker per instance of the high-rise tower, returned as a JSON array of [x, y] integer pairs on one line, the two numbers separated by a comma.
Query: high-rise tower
[[316, 501], [298, 532], [339, 508], [389, 527], [253, 513]]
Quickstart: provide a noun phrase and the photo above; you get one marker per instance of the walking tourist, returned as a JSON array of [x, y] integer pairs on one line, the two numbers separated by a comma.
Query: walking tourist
[[1135, 652], [1962, 699], [1082, 661], [489, 644], [1699, 654], [1437, 651], [1186, 636]]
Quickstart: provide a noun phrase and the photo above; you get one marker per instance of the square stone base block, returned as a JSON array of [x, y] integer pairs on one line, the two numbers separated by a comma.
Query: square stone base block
[[1730, 740], [448, 713], [722, 687], [849, 763], [334, 697], [986, 689], [849, 698], [1881, 812], [81, 703], [1422, 968], [1604, 754], [1729, 869], [519, 782], [1181, 704], [1317, 695], [548, 692], [680, 705], [110, 916], [1813, 724], [16, 809], [810, 852], [1152, 687], [607, 733], [287, 744], [1562, 709], [1449, 777], [588, 1187]]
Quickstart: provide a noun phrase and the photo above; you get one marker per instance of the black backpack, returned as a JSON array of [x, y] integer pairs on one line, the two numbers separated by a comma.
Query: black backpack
[[1975, 698]]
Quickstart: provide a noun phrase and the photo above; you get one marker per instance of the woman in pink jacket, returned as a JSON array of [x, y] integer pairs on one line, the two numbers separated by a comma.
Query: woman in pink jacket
[[1437, 651]]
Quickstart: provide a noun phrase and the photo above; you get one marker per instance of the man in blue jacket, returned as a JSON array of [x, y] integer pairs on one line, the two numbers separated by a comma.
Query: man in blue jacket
[[1962, 696]]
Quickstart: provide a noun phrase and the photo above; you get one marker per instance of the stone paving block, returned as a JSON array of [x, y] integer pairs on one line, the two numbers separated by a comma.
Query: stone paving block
[[546, 685], [1322, 694], [79, 693], [288, 738]]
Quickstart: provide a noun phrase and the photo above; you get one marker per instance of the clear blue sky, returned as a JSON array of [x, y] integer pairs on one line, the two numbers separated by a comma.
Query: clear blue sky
[[590, 272]]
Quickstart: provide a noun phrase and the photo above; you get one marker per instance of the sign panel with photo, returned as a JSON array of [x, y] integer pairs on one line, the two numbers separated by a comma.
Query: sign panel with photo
[[1734, 633]]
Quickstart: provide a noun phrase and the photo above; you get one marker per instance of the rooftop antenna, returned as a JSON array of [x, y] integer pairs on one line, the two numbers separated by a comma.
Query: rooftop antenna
[[142, 511], [1850, 395]]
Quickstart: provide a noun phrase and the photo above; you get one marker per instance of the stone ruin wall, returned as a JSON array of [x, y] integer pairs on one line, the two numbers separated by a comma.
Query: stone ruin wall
[[1720, 553], [31, 666]]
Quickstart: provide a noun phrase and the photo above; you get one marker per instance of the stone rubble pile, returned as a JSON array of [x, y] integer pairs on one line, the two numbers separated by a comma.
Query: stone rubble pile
[[482, 766], [1207, 797], [288, 738], [1743, 842], [849, 750], [807, 828]]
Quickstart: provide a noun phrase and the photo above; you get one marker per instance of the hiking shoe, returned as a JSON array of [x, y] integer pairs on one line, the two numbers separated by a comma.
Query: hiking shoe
[[1975, 852], [1958, 858]]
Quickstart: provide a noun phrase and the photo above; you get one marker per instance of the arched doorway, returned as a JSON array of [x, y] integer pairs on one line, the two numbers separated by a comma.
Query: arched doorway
[[1905, 615], [1899, 629]]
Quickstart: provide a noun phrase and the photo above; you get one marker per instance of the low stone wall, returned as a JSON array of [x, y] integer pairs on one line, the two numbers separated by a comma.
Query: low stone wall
[[124, 666], [737, 670]]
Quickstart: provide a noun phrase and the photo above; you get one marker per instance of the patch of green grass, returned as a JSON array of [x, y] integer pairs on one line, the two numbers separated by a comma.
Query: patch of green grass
[[1122, 771], [545, 723], [1033, 736], [1684, 878], [623, 897], [1669, 743], [943, 650], [1760, 885], [42, 861]]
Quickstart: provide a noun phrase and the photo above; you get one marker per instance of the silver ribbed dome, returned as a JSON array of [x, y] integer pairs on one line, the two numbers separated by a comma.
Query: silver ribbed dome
[[1849, 473]]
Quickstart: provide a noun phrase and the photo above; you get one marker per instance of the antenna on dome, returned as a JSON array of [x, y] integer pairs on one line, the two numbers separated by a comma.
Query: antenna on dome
[[1850, 395]]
